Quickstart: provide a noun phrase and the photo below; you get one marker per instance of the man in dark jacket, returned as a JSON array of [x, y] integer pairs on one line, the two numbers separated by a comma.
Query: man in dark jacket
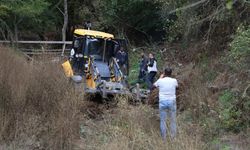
[[142, 67], [121, 58]]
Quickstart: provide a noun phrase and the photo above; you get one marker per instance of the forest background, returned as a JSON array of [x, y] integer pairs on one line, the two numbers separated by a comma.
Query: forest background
[[207, 42]]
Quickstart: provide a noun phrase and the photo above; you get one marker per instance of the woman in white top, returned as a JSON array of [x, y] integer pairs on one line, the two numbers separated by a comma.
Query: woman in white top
[[152, 70]]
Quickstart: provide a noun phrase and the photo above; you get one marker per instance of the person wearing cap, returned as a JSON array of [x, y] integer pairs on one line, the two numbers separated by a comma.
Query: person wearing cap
[[167, 101]]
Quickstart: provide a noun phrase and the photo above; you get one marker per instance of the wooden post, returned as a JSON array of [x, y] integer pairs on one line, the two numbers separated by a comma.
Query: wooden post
[[104, 93], [84, 83], [138, 92]]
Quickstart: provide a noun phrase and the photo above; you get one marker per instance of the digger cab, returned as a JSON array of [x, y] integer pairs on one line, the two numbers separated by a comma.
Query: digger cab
[[96, 46]]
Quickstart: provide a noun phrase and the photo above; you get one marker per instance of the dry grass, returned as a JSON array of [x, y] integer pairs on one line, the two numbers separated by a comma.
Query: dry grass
[[38, 107], [137, 127], [134, 127]]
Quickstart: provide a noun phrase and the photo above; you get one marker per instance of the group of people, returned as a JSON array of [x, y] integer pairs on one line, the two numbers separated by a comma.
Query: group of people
[[167, 86]]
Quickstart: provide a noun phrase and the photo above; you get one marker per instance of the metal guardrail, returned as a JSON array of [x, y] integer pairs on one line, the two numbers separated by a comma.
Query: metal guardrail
[[38, 42], [42, 51]]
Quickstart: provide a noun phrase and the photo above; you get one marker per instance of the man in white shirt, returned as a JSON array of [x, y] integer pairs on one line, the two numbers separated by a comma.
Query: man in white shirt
[[167, 101]]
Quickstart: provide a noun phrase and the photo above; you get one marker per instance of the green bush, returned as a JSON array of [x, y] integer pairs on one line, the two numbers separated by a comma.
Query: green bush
[[234, 108], [239, 54], [234, 111]]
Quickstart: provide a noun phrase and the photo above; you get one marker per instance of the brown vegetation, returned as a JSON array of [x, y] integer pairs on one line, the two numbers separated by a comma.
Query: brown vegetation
[[134, 127], [38, 107]]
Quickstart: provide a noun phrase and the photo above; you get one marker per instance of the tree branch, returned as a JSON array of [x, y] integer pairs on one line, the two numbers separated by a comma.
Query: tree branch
[[187, 6], [56, 5], [208, 17], [128, 25], [216, 12], [60, 10]]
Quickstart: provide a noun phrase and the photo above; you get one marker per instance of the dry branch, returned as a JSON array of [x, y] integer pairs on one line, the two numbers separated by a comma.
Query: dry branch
[[188, 6]]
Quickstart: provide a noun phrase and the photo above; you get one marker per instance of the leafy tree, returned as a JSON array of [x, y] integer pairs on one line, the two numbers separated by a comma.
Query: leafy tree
[[136, 16], [22, 13], [203, 19], [123, 17]]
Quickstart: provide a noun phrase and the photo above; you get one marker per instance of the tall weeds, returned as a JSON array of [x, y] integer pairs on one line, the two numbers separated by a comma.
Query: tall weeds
[[38, 107]]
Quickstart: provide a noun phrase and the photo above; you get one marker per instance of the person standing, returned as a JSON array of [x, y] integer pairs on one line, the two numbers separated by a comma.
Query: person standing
[[152, 70], [72, 53], [142, 67], [121, 58], [167, 102]]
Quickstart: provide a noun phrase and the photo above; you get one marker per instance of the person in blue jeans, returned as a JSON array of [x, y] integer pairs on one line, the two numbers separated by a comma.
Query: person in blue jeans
[[167, 102]]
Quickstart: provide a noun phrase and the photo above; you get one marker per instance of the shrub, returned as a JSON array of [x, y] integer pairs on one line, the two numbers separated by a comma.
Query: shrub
[[234, 111], [228, 113], [239, 54]]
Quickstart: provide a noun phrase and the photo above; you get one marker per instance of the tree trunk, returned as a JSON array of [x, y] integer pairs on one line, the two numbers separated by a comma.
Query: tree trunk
[[6, 31], [65, 24], [16, 32], [15, 23], [15, 43]]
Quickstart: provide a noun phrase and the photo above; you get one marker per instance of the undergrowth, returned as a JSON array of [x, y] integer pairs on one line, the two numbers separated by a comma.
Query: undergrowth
[[129, 127]]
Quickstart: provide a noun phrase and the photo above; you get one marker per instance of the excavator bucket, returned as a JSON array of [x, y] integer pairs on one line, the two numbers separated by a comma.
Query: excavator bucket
[[67, 69]]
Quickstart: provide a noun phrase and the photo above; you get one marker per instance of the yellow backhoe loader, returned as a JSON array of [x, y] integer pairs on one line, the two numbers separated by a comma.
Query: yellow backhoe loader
[[92, 63]]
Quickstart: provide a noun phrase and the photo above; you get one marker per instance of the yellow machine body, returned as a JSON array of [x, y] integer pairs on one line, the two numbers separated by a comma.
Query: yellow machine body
[[90, 83], [67, 69], [93, 33]]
